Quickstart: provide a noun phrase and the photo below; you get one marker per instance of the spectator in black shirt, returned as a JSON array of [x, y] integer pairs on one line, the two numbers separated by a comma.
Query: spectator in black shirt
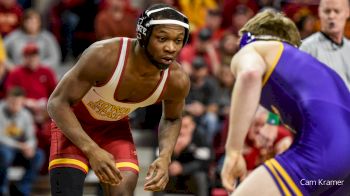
[[188, 170]]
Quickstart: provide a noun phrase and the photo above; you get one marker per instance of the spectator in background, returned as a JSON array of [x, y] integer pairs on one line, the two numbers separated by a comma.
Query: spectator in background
[[296, 8], [223, 96], [31, 31], [201, 101], [306, 25], [227, 48], [304, 16], [196, 11], [33, 76], [38, 81], [174, 3], [213, 21], [3, 69], [84, 32], [201, 46], [18, 141], [188, 170], [63, 22], [115, 21], [240, 16], [10, 14], [329, 45], [232, 6]]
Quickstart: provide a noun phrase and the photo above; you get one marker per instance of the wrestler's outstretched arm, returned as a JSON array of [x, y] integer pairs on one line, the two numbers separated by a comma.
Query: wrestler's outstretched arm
[[91, 68], [169, 128], [248, 68]]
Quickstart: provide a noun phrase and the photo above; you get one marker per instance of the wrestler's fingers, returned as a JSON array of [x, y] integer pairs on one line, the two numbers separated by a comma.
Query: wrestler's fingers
[[113, 179], [161, 184], [101, 176], [228, 182], [150, 172], [157, 175], [157, 183], [115, 171]]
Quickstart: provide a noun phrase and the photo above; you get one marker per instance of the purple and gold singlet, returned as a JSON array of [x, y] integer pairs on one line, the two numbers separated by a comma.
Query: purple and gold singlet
[[311, 99]]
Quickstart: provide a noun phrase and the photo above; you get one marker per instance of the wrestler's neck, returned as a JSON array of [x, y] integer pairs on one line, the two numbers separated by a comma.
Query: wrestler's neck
[[141, 64]]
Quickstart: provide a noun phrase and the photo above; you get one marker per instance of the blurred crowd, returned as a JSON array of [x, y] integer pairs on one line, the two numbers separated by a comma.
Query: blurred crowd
[[37, 37]]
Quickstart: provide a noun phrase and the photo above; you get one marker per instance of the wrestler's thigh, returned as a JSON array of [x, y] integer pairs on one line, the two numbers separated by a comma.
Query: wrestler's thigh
[[258, 183]]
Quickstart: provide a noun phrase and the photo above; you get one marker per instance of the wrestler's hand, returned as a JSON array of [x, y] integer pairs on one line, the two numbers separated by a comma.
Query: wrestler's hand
[[104, 166], [234, 167], [157, 175]]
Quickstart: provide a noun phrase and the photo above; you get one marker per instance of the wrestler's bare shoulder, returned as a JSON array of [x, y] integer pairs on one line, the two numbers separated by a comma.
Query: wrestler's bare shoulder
[[106, 46], [178, 83], [107, 49], [259, 52], [112, 42], [99, 59]]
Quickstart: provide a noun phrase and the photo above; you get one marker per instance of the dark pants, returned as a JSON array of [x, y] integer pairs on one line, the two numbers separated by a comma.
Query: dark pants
[[32, 167]]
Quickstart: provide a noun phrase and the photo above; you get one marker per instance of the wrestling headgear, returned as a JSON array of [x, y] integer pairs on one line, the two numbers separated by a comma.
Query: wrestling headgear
[[147, 20]]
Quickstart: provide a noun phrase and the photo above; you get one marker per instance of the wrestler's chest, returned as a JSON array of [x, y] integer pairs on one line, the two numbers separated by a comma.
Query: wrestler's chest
[[135, 89]]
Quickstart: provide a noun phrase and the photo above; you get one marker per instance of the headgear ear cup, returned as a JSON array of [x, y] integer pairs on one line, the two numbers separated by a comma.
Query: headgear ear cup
[[146, 22], [142, 31], [246, 38]]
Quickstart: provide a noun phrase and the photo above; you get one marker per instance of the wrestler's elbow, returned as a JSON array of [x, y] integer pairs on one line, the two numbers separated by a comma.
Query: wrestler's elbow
[[54, 104], [250, 76]]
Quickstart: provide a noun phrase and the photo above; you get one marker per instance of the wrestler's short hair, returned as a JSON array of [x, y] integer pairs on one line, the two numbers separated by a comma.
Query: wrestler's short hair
[[274, 24], [159, 14]]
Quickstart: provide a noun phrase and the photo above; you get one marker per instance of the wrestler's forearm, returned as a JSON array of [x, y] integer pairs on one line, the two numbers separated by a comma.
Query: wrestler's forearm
[[169, 130], [68, 123], [244, 102]]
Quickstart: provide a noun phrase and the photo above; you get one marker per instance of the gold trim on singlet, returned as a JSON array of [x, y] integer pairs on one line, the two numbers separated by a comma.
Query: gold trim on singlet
[[128, 164], [63, 161], [273, 66]]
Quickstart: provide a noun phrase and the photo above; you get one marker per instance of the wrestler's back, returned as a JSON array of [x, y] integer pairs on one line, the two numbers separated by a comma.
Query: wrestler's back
[[298, 79]]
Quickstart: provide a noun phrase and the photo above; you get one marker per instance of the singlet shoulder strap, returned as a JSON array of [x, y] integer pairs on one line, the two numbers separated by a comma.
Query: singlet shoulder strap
[[121, 61]]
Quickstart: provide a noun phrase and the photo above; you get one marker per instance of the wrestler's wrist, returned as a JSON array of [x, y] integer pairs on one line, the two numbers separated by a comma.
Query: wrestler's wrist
[[166, 158], [89, 149], [233, 152]]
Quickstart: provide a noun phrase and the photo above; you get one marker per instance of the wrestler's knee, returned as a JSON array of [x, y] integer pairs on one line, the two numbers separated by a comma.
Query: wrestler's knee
[[126, 188]]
